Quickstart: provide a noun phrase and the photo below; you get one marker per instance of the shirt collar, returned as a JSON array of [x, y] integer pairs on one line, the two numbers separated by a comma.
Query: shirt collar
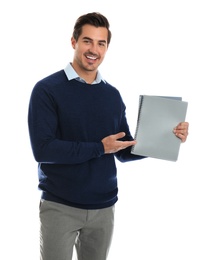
[[71, 74]]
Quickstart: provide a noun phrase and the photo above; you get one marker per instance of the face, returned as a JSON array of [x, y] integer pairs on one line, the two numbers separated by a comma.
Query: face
[[90, 49]]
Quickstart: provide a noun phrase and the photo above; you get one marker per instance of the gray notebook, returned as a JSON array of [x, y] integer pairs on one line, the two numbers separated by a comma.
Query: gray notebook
[[157, 117]]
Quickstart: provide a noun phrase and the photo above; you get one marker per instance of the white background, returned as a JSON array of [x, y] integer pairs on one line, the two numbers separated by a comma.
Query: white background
[[156, 49]]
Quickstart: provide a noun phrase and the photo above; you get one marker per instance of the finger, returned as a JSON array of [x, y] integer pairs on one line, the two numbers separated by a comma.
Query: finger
[[182, 136], [181, 131], [182, 125], [130, 143], [119, 135], [122, 145]]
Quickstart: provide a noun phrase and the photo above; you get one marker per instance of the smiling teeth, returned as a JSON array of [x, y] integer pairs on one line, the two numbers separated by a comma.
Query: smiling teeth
[[92, 58]]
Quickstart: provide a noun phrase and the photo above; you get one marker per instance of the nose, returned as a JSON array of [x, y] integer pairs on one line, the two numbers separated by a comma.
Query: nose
[[93, 47]]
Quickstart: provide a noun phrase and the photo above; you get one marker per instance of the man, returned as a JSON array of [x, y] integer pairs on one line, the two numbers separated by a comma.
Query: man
[[77, 125]]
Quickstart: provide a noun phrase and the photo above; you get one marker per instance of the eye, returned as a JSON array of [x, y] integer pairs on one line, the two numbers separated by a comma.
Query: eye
[[102, 44], [86, 41]]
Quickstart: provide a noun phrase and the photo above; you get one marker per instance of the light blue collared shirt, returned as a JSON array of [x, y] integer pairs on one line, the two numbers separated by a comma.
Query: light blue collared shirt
[[71, 74]]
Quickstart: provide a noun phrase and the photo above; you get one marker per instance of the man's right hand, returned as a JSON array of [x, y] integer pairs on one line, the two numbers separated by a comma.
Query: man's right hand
[[112, 144]]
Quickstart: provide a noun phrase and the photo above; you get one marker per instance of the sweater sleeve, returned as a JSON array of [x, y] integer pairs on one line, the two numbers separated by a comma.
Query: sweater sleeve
[[43, 130], [126, 156]]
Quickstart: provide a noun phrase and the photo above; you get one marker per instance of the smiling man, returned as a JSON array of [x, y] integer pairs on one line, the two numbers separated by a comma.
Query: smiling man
[[77, 126]]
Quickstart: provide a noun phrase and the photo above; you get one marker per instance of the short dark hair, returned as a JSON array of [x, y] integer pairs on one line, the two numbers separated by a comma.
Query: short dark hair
[[96, 19]]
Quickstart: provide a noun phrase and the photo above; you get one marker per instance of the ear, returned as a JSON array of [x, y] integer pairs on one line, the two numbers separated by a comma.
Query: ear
[[73, 41]]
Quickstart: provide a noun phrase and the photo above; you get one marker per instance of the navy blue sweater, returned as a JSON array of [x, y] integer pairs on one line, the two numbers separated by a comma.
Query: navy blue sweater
[[67, 121]]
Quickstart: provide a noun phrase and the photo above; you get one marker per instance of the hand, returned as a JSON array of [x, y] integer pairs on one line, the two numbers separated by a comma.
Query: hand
[[112, 144], [181, 131]]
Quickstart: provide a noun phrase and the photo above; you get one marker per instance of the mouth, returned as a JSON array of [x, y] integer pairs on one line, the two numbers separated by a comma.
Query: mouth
[[91, 58]]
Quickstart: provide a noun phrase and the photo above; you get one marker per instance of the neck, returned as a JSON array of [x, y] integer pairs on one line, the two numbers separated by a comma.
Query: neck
[[87, 75]]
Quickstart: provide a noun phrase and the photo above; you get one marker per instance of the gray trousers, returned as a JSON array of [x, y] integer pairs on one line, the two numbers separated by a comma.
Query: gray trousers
[[64, 228]]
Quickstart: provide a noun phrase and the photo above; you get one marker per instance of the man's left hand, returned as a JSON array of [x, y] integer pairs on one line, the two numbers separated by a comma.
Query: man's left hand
[[181, 131]]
